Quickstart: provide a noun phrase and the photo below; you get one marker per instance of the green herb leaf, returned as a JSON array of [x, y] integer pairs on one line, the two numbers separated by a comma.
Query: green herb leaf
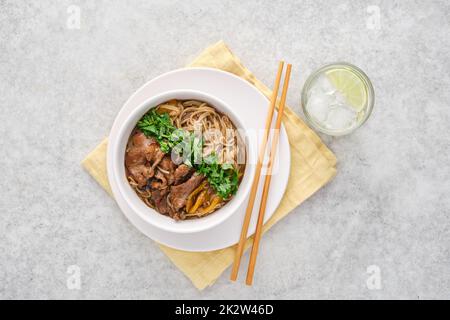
[[158, 126], [223, 178]]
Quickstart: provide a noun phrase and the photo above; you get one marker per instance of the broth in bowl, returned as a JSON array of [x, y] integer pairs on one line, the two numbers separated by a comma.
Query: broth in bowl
[[185, 159]]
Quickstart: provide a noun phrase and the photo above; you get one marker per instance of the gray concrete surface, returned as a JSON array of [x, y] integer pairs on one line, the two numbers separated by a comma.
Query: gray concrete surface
[[389, 206]]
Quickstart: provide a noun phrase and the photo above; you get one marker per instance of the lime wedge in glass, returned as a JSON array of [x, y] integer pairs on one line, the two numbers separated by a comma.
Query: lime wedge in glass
[[350, 86]]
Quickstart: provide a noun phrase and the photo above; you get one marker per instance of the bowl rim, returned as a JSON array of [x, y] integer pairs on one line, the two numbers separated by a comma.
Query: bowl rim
[[139, 207]]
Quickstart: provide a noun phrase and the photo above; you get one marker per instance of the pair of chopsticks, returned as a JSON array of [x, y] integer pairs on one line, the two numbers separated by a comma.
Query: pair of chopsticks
[[254, 190]]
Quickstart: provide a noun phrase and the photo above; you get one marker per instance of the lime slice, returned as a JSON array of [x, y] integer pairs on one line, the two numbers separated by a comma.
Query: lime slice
[[350, 86]]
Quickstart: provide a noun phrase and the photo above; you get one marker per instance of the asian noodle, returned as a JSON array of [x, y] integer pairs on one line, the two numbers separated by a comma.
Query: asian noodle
[[220, 137]]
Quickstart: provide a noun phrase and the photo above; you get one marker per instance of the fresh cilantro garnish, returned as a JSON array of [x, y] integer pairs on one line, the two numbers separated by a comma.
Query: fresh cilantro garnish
[[223, 178], [159, 127]]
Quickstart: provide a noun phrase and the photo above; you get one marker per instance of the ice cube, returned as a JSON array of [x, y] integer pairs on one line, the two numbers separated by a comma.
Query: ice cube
[[339, 98], [318, 106], [323, 85], [341, 118]]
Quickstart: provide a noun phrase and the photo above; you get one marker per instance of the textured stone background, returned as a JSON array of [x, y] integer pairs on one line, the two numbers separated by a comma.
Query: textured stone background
[[61, 89]]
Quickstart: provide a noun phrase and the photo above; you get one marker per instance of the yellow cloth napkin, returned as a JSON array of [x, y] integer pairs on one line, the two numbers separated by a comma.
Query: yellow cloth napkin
[[312, 166]]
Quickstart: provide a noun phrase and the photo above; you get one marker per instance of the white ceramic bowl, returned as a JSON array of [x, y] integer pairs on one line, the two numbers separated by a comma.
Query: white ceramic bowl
[[149, 215]]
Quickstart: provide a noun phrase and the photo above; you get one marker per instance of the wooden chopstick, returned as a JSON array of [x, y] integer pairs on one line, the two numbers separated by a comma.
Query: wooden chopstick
[[254, 189], [262, 207]]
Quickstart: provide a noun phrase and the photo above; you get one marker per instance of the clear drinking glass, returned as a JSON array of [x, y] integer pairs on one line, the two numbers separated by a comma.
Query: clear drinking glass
[[337, 99]]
